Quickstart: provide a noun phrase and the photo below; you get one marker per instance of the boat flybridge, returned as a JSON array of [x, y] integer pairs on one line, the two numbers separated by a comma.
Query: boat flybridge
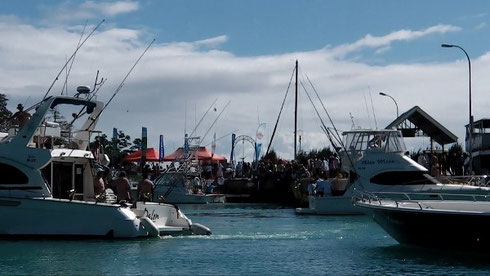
[[47, 187], [377, 161]]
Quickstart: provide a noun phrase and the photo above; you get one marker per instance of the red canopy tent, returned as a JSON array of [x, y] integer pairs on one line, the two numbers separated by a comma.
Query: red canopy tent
[[203, 154], [151, 155]]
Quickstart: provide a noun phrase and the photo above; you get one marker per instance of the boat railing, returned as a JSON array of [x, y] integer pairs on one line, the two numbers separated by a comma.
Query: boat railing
[[414, 197]]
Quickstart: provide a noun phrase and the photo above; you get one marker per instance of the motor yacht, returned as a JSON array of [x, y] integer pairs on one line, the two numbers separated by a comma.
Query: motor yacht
[[443, 221], [47, 187], [377, 161]]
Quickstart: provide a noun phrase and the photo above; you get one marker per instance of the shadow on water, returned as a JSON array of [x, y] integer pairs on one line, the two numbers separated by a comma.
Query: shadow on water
[[441, 257]]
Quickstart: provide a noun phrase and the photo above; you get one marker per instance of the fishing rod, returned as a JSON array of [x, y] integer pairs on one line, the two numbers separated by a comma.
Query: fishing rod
[[121, 84], [216, 120], [202, 118], [71, 57], [65, 84]]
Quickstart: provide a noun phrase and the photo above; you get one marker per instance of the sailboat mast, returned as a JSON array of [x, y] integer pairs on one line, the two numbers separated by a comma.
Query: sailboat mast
[[296, 110]]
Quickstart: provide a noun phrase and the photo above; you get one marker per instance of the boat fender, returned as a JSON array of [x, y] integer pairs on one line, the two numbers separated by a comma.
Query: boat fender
[[150, 227], [199, 229]]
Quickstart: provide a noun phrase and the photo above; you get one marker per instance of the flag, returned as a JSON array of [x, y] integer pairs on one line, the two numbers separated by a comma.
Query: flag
[[144, 140], [213, 145], [161, 151], [260, 132], [114, 135], [186, 147], [233, 137], [258, 147]]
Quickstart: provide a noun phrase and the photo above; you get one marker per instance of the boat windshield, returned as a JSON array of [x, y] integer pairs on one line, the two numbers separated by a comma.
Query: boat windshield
[[385, 141], [170, 179]]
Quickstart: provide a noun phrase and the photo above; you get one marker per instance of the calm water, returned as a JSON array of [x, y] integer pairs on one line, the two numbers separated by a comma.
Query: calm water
[[246, 240]]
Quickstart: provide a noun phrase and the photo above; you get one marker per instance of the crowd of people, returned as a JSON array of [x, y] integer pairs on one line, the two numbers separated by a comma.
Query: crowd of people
[[444, 163]]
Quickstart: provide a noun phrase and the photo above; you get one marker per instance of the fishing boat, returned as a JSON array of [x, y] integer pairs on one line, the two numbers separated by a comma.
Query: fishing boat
[[47, 187], [441, 222], [376, 161], [183, 188], [186, 183]]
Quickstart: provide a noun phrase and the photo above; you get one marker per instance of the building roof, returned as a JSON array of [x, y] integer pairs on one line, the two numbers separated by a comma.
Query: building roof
[[482, 123], [424, 122]]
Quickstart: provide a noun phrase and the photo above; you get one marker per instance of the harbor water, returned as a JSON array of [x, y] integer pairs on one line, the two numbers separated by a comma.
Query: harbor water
[[246, 240]]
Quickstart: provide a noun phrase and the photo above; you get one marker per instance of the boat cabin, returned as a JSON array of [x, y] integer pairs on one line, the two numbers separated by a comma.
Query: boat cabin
[[53, 152]]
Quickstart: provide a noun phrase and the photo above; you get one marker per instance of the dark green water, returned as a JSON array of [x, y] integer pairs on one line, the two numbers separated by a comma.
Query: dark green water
[[246, 240]]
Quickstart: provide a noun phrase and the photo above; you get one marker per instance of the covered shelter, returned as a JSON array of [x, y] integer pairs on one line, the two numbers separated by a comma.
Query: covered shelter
[[417, 123], [202, 154], [151, 156]]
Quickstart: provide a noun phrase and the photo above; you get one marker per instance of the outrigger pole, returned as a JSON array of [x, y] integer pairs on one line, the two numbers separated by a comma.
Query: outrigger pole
[[72, 56], [121, 84], [296, 111]]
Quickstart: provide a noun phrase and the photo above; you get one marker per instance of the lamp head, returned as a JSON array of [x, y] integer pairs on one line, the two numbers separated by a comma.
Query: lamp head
[[447, 45], [382, 94]]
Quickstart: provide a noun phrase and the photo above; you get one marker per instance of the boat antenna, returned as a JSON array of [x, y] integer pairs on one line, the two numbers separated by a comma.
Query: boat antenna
[[372, 107], [93, 93], [280, 111], [202, 118], [215, 120], [71, 57], [122, 83], [65, 84]]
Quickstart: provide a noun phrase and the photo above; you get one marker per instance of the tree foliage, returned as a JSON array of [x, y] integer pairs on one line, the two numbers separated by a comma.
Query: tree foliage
[[116, 148], [5, 114]]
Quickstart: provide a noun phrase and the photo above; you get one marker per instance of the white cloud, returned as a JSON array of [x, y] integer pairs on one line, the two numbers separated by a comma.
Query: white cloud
[[370, 41], [176, 82], [89, 9]]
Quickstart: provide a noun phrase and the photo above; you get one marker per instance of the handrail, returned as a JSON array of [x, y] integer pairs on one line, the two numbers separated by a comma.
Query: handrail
[[364, 196]]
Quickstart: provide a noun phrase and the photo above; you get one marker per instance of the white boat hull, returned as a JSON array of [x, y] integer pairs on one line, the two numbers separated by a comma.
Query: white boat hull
[[63, 218], [331, 205]]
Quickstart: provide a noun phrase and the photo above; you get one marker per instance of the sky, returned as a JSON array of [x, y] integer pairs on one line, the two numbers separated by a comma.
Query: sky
[[244, 52]]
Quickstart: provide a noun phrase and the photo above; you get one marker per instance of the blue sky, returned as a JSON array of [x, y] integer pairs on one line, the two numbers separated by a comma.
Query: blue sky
[[275, 27], [244, 51]]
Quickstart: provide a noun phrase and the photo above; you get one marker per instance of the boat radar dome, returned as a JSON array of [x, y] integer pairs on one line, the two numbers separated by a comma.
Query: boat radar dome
[[83, 89]]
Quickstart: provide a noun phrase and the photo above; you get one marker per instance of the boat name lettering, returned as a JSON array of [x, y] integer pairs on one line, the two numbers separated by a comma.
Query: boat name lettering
[[384, 161], [367, 162], [31, 158], [152, 216]]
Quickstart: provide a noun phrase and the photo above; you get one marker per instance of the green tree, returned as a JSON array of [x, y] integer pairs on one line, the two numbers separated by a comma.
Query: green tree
[[5, 114], [271, 156], [116, 149]]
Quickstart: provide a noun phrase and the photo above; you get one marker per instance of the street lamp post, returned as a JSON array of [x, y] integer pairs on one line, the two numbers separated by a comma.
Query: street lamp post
[[470, 144], [386, 95]]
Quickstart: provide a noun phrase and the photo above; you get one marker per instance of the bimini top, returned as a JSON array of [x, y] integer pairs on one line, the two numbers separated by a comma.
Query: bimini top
[[424, 122]]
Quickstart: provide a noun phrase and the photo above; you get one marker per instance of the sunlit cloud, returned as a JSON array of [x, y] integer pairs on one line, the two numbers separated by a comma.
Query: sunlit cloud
[[370, 41], [176, 82], [70, 12]]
